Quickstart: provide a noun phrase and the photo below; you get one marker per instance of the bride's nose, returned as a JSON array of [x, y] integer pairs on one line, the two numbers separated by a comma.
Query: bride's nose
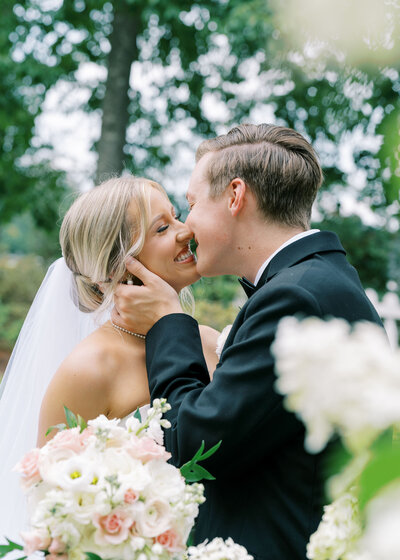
[[184, 235]]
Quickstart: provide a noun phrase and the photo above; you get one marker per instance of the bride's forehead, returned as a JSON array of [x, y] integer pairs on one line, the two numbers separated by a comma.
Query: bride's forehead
[[159, 200]]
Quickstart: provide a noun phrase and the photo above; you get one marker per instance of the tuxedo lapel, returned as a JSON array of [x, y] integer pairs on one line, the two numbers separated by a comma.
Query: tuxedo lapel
[[248, 287], [321, 242]]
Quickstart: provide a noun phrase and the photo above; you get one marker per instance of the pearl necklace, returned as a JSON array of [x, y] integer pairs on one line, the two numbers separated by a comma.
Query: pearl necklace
[[142, 336]]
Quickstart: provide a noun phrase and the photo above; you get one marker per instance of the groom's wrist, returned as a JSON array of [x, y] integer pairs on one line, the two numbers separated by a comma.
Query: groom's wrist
[[172, 322]]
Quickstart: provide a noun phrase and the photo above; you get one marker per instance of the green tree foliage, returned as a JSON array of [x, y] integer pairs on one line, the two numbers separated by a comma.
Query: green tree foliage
[[374, 252], [20, 279], [186, 52], [24, 183], [22, 236], [234, 52], [217, 300]]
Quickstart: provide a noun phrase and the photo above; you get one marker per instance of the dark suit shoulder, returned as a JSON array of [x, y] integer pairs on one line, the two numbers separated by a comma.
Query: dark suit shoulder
[[326, 279]]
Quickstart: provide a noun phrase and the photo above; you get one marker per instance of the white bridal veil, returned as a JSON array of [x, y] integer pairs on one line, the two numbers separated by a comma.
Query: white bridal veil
[[53, 326]]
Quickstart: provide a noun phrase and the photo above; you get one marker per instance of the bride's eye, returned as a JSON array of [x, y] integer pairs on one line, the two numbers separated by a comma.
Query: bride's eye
[[162, 228], [178, 215]]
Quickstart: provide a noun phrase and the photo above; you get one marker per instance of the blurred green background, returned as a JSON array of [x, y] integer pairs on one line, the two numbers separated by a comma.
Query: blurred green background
[[141, 83]]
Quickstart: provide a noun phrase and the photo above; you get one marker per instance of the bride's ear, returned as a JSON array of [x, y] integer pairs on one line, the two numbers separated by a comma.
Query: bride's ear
[[236, 196]]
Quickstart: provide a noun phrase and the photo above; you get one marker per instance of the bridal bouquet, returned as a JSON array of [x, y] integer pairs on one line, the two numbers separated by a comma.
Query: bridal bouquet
[[345, 380], [106, 490]]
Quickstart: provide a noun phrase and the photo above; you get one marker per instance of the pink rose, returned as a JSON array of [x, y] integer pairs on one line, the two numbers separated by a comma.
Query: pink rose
[[35, 540], [146, 449], [170, 540], [68, 439], [130, 496], [85, 435], [57, 546], [112, 528], [57, 556], [29, 469]]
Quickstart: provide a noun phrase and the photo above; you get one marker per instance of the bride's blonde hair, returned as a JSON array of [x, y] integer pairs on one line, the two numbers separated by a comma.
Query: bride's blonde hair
[[97, 234]]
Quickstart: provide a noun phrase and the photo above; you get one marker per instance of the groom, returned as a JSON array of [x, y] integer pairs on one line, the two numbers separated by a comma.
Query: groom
[[250, 198]]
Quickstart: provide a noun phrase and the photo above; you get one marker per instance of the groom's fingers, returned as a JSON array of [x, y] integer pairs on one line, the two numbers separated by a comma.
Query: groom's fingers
[[139, 307], [140, 271]]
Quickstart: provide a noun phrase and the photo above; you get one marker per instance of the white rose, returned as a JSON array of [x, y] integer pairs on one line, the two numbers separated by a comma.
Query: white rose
[[153, 517], [166, 480], [117, 460]]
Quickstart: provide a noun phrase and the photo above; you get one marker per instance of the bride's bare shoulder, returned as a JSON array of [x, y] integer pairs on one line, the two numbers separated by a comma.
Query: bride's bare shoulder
[[95, 357], [82, 383]]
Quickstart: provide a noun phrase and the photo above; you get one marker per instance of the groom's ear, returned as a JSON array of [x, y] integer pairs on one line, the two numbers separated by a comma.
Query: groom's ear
[[237, 194]]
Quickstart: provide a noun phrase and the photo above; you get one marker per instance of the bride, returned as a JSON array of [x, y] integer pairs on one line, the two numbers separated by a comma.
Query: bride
[[69, 352]]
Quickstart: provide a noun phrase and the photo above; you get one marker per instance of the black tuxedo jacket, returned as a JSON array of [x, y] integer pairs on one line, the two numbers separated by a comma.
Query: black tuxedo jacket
[[268, 492]]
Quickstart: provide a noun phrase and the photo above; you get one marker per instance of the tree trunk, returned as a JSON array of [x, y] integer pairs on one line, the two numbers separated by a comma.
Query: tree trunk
[[116, 101]]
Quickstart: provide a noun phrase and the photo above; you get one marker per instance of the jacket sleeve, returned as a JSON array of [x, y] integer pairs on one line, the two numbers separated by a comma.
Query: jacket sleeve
[[240, 406]]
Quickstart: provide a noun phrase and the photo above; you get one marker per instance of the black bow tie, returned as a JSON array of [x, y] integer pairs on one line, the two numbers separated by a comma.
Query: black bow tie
[[247, 286]]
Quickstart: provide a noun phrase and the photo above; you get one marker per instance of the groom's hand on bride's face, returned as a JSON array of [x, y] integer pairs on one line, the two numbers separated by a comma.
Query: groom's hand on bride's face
[[138, 308]]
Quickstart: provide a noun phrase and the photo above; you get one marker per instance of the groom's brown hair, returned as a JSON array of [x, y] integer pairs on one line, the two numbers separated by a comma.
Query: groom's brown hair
[[277, 163]]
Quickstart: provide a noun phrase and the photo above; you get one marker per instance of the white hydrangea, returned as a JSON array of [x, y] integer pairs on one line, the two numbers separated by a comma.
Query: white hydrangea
[[338, 532], [337, 379], [218, 549]]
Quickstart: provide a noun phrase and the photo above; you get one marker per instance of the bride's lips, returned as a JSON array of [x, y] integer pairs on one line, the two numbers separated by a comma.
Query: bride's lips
[[185, 256]]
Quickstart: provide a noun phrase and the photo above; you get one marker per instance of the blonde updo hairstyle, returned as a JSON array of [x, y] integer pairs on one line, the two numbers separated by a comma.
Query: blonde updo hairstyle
[[97, 234]]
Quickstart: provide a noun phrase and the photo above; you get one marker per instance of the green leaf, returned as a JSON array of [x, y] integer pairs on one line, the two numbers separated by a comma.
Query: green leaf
[[198, 453], [192, 472], [383, 468], [6, 548], [211, 451], [58, 427], [186, 472], [190, 540], [81, 423], [201, 473], [92, 556], [72, 421], [137, 415]]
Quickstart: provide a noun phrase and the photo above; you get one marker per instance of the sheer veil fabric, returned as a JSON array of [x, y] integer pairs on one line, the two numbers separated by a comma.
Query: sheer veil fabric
[[53, 326]]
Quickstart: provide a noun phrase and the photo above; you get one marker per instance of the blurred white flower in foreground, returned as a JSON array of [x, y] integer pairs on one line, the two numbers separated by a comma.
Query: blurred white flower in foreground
[[338, 531], [381, 538], [218, 549], [337, 379]]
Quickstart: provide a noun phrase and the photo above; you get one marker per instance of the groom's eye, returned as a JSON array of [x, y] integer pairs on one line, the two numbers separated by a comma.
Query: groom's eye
[[178, 215]]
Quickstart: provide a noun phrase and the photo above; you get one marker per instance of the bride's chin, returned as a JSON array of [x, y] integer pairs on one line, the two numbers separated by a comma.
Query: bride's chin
[[188, 282]]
